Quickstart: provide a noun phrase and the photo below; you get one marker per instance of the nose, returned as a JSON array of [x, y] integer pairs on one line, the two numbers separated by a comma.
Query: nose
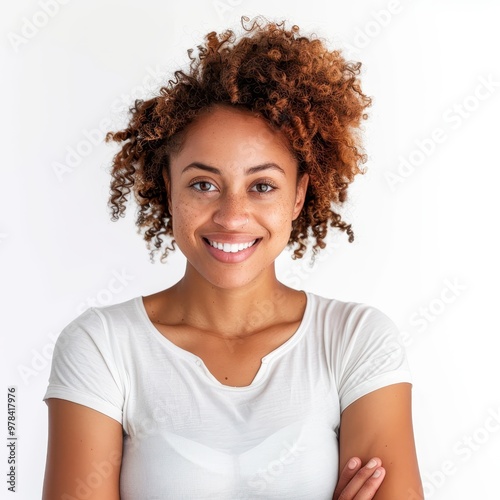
[[231, 212]]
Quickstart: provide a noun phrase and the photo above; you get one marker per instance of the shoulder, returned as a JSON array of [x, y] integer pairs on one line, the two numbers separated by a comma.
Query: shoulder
[[100, 323], [356, 334], [126, 310], [366, 351], [348, 316]]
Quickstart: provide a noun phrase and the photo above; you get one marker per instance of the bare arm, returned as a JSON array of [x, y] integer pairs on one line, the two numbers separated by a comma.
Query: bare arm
[[379, 424], [83, 454]]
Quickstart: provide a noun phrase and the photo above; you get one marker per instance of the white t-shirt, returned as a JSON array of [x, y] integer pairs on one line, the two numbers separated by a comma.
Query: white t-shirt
[[188, 436]]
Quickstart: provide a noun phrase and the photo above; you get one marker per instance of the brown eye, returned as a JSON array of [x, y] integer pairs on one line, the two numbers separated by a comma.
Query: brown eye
[[262, 187], [204, 186]]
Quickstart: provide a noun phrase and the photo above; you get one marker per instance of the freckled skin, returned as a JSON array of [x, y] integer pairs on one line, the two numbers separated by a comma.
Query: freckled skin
[[220, 139]]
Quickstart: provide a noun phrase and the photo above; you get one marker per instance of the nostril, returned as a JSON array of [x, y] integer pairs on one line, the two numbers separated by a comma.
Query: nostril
[[231, 222]]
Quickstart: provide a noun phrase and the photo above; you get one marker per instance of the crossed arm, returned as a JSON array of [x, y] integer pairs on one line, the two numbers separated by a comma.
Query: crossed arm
[[83, 455], [85, 444], [379, 425]]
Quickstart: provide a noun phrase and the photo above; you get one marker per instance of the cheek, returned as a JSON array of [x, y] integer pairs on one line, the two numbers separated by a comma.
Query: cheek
[[280, 216], [184, 218]]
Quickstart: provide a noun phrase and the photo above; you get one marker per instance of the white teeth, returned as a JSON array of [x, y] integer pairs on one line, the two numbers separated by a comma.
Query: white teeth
[[231, 247]]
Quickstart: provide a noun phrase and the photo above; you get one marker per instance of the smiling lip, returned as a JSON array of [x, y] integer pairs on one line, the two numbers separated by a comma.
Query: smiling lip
[[230, 247], [235, 250]]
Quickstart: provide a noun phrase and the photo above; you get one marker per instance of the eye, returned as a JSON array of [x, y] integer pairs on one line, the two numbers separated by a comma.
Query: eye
[[203, 186], [264, 187]]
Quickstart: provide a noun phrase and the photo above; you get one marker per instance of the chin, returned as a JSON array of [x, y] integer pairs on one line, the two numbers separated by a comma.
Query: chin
[[230, 276], [230, 280]]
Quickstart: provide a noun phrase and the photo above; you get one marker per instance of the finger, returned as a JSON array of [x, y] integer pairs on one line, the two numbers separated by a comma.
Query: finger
[[362, 476], [372, 484], [348, 472]]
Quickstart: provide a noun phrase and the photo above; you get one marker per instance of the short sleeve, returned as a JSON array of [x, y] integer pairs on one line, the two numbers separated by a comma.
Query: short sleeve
[[83, 369], [373, 355]]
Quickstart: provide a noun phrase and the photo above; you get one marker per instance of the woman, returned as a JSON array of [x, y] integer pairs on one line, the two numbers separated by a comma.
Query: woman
[[229, 384]]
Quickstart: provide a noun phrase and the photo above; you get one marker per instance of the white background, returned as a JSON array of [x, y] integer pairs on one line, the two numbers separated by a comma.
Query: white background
[[426, 248]]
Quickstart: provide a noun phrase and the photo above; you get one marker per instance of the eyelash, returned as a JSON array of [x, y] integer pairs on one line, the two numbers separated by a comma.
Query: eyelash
[[200, 182], [265, 182]]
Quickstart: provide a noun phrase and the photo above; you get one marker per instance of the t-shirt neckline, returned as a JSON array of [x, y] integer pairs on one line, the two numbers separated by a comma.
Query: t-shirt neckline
[[266, 360]]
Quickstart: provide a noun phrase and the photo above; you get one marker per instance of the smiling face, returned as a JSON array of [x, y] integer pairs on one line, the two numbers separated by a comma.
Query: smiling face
[[233, 194]]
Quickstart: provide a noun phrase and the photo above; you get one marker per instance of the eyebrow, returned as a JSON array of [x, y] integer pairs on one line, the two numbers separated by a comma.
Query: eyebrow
[[248, 171]]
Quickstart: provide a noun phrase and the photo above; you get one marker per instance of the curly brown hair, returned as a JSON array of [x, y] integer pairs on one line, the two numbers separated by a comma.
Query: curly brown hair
[[309, 93]]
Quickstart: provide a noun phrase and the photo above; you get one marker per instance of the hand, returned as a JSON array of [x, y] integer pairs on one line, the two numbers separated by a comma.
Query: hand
[[359, 483]]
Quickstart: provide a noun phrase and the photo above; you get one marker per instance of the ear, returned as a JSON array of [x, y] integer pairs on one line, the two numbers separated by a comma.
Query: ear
[[300, 196]]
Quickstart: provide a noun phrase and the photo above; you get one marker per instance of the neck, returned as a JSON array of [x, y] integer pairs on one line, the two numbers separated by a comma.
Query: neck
[[230, 312]]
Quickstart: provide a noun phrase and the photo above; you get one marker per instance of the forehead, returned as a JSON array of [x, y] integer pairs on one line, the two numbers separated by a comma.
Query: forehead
[[231, 137]]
